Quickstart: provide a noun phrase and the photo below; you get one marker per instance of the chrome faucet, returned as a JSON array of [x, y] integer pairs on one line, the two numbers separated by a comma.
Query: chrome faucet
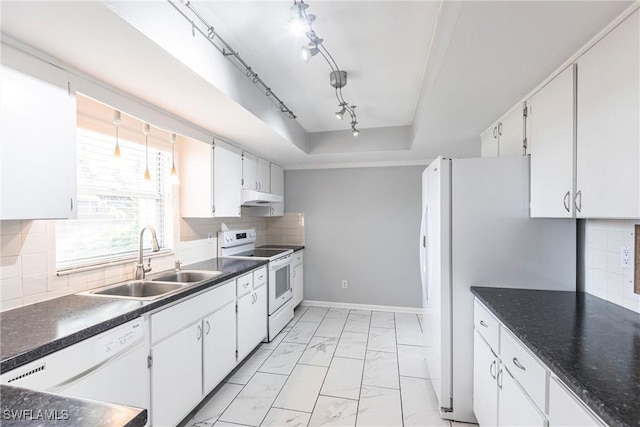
[[141, 269]]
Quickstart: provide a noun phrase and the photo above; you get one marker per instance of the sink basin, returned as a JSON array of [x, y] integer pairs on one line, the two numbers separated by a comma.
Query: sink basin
[[187, 276], [138, 289]]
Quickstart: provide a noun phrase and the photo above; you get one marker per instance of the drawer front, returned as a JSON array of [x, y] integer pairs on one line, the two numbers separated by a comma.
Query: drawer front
[[486, 324], [259, 277], [298, 258], [244, 284], [175, 318], [524, 367]]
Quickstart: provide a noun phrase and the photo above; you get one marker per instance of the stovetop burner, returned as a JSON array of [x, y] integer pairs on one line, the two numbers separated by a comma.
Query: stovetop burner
[[261, 253]]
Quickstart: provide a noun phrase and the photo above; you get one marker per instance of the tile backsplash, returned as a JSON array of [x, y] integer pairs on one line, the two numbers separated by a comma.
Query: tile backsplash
[[605, 275], [28, 260]]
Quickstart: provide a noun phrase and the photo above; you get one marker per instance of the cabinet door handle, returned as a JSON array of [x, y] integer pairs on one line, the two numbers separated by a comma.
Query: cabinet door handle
[[565, 200], [578, 201], [199, 332], [71, 199], [483, 324], [499, 378], [256, 297], [493, 365], [500, 129], [518, 364], [495, 132], [294, 274], [208, 327]]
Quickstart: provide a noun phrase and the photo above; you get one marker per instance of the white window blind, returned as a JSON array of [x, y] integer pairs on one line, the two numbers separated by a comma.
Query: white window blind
[[114, 202]]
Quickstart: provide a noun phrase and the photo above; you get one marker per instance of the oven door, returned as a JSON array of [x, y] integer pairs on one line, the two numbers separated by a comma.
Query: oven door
[[279, 283]]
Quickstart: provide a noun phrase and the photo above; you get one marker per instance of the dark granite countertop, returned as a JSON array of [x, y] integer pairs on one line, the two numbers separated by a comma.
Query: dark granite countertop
[[33, 331], [295, 248], [592, 345], [22, 407]]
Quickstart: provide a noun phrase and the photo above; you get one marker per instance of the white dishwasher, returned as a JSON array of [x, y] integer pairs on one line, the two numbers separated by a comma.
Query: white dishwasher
[[109, 367]]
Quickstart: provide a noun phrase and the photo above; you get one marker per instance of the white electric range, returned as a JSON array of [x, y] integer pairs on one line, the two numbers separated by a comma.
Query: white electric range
[[240, 244]]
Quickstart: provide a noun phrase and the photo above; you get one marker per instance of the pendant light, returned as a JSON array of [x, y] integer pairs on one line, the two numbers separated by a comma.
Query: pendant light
[[174, 173], [147, 131], [116, 121]]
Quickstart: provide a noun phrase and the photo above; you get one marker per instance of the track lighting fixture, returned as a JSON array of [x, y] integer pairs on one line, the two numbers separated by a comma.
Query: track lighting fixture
[[301, 23], [116, 122], [146, 130]]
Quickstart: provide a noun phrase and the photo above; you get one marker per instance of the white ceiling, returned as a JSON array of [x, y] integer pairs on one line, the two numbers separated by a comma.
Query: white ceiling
[[483, 58]]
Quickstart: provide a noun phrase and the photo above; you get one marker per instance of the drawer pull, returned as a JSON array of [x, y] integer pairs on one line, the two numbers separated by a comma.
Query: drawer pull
[[260, 277], [245, 285], [484, 324], [518, 364], [493, 365]]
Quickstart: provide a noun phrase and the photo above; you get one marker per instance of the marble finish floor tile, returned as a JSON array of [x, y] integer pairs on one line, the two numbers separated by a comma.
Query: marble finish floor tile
[[314, 314], [319, 352], [408, 330], [333, 411], [330, 327], [250, 366], [283, 359], [412, 361], [381, 339], [381, 370], [302, 332], [298, 312], [212, 410], [357, 323], [255, 399], [344, 378], [285, 418], [301, 389], [379, 407], [226, 424], [419, 403], [382, 319], [352, 345], [337, 313], [360, 312], [275, 341]]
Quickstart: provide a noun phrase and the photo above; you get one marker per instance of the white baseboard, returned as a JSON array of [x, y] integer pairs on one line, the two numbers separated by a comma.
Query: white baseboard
[[412, 310]]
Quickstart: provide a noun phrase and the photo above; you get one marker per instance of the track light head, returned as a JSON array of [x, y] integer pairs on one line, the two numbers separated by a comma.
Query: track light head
[[308, 52], [354, 130], [340, 114], [297, 27]]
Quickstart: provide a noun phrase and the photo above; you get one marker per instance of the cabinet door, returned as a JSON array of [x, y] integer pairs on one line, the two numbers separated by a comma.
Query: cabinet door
[[264, 176], [196, 179], [514, 406], [277, 180], [552, 148], [227, 181], [176, 376], [485, 388], [249, 172], [510, 133], [297, 284], [219, 349], [38, 149], [252, 321], [565, 409], [608, 127], [489, 142]]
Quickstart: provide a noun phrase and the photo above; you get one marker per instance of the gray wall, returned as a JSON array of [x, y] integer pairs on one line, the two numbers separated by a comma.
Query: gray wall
[[362, 225]]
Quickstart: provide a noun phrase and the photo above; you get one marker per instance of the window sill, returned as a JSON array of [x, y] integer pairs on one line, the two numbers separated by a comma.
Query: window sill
[[128, 260]]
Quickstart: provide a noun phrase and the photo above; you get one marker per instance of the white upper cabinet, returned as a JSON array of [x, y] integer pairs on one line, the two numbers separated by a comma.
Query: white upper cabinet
[[249, 171], [38, 145], [264, 176], [210, 179], [608, 135], [510, 133], [505, 137], [551, 116]]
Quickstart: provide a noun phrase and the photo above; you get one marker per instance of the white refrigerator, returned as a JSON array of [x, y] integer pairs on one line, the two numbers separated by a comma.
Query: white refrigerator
[[476, 231]]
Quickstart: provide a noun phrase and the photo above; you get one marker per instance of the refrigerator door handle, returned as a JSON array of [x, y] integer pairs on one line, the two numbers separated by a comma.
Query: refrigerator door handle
[[424, 241]]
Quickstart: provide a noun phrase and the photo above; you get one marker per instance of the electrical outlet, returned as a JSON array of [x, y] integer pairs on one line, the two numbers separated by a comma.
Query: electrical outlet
[[344, 284], [626, 256]]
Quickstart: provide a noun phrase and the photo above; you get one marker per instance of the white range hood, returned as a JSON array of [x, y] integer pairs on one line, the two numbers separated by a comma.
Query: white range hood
[[258, 198]]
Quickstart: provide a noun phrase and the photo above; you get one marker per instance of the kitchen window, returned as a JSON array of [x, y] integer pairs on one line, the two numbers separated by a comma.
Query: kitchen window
[[114, 202]]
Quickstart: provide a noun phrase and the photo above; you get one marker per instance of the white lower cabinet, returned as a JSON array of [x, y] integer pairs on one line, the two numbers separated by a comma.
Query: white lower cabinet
[[176, 376], [297, 278], [485, 387], [566, 410], [515, 408], [252, 320], [219, 346]]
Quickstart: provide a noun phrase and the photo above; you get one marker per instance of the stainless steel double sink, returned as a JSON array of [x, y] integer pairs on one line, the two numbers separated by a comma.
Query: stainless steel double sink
[[159, 286]]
